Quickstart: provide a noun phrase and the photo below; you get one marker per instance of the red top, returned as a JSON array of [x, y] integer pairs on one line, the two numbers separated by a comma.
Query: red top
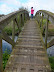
[[32, 11]]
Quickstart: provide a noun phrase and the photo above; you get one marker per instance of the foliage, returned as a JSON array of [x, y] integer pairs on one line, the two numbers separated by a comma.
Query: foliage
[[5, 58], [22, 8], [51, 30], [43, 27], [8, 29], [51, 60]]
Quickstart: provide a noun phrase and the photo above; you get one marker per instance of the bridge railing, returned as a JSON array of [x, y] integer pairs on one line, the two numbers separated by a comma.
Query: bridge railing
[[4, 21], [40, 16]]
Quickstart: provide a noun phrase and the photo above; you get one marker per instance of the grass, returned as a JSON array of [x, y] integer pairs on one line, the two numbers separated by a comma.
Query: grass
[[51, 60]]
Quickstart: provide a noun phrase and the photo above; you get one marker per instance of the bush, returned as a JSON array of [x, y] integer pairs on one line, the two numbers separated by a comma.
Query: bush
[[8, 30], [51, 60], [5, 58]]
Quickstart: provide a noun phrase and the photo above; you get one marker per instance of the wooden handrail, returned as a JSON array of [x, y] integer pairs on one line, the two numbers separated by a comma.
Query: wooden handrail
[[50, 17], [46, 13], [4, 21]]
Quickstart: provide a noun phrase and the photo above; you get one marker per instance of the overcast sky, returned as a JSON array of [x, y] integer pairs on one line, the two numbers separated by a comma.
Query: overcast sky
[[8, 6]]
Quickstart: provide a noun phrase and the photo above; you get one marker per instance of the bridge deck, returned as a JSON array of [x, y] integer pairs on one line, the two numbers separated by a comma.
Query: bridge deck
[[29, 54]]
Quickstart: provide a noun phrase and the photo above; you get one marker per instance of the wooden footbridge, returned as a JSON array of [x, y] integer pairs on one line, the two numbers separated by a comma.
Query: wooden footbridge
[[29, 52]]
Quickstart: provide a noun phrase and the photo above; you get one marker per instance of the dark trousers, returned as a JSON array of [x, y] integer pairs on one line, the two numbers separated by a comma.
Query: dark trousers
[[32, 16]]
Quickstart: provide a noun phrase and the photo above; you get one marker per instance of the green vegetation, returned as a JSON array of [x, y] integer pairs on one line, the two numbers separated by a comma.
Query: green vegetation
[[51, 60], [8, 29], [51, 30], [6, 56], [50, 27]]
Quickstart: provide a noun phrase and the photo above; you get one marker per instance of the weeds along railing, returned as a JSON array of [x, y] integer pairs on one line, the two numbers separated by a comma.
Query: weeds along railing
[[4, 21], [40, 16]]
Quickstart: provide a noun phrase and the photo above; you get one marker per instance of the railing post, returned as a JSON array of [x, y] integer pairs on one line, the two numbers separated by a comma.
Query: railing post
[[16, 20], [46, 31], [24, 16], [21, 20], [42, 24], [42, 21], [28, 16], [39, 20], [13, 30], [1, 65]]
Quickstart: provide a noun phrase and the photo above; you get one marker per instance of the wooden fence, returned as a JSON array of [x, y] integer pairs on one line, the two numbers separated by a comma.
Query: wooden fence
[[4, 21], [41, 14]]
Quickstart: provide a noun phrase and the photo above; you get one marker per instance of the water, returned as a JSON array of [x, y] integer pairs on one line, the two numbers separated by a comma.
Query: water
[[50, 50], [6, 46]]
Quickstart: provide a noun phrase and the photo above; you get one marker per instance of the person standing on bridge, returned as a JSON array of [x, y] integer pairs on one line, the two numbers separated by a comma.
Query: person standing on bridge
[[32, 12]]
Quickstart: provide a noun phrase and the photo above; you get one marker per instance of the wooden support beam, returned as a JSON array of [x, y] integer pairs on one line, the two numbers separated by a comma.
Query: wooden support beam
[[1, 65], [19, 21], [46, 32], [42, 22], [22, 23], [23, 19], [7, 38], [13, 30], [28, 16], [39, 21], [24, 16], [51, 43], [16, 20]]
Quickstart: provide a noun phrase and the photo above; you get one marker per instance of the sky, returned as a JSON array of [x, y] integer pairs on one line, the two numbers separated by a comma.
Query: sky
[[8, 6]]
